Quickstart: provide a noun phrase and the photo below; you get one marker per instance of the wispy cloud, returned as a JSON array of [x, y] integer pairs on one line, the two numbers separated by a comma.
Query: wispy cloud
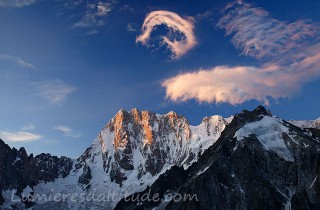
[[131, 28], [94, 13], [55, 91], [259, 35], [126, 8], [67, 131], [182, 28], [205, 15], [28, 127], [16, 3], [19, 136], [17, 60], [296, 45]]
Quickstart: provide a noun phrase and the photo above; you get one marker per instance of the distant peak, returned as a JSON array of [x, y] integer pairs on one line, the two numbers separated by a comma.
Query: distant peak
[[213, 117], [171, 113], [121, 111], [135, 110], [250, 116], [261, 110], [122, 115]]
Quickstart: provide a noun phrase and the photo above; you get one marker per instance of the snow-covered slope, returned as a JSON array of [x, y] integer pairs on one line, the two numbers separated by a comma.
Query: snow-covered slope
[[269, 131], [128, 155], [306, 123]]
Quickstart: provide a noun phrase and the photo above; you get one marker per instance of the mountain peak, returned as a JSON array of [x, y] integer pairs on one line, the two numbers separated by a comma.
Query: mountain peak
[[122, 111], [256, 113], [261, 110], [172, 114]]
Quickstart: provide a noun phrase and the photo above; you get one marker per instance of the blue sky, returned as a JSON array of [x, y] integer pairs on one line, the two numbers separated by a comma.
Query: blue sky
[[67, 67]]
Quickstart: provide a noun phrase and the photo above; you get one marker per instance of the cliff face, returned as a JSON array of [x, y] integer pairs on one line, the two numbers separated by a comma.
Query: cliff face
[[259, 162]]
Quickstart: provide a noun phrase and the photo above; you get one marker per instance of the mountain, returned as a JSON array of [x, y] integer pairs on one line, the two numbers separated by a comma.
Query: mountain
[[127, 156], [259, 162], [18, 171], [250, 161]]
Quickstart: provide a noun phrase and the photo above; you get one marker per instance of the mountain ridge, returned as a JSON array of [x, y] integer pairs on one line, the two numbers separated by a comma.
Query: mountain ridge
[[133, 149], [148, 146], [242, 174]]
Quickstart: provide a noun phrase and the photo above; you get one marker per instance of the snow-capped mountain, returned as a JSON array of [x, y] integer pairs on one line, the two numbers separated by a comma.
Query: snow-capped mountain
[[259, 162], [128, 155], [250, 161]]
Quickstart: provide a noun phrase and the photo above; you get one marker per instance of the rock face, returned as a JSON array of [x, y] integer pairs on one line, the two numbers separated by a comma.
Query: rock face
[[145, 143], [19, 170], [259, 162]]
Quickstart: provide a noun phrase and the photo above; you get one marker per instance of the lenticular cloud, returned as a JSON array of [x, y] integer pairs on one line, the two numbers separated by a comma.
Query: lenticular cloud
[[290, 52], [176, 25]]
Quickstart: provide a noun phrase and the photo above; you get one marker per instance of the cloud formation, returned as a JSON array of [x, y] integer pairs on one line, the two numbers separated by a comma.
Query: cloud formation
[[131, 27], [19, 136], [16, 3], [296, 45], [182, 30], [67, 131], [259, 35], [17, 60], [55, 91], [94, 12], [28, 127]]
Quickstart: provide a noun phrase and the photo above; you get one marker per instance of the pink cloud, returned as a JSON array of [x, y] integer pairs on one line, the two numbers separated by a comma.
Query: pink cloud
[[291, 52], [176, 25], [259, 35]]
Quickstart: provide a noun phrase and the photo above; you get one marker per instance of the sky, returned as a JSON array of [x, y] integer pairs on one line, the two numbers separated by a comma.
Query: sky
[[67, 67]]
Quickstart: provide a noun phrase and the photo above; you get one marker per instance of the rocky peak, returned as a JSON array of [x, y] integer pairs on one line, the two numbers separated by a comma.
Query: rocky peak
[[172, 114], [213, 119], [250, 116], [22, 153], [3, 145], [214, 124], [120, 119]]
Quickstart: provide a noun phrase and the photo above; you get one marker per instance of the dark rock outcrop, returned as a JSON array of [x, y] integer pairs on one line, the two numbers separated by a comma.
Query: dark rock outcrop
[[85, 178]]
